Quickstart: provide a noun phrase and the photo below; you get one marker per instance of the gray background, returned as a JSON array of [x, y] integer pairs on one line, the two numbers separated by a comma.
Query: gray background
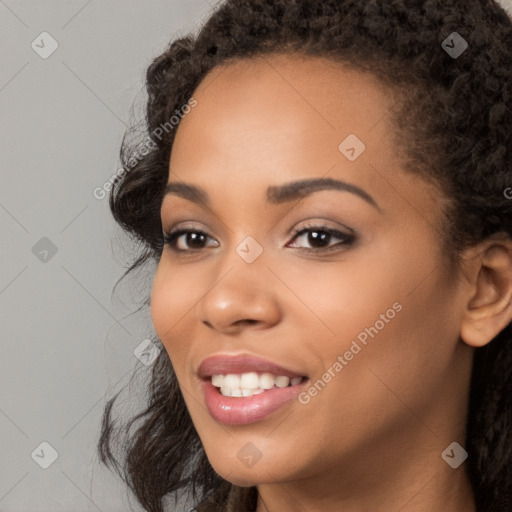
[[67, 344]]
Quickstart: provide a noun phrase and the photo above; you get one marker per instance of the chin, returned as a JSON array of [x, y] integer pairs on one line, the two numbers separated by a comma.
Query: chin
[[262, 472], [241, 482]]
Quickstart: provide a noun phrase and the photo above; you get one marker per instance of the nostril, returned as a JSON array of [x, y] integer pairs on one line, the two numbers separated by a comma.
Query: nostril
[[250, 321], [234, 326]]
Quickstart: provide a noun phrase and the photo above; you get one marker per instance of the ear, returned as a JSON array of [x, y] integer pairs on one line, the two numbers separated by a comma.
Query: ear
[[489, 308]]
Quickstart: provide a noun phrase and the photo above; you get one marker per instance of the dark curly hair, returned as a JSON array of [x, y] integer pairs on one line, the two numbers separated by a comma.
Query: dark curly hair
[[458, 114]]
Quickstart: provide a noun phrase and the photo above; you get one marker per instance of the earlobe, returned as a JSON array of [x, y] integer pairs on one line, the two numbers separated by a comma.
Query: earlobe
[[489, 308]]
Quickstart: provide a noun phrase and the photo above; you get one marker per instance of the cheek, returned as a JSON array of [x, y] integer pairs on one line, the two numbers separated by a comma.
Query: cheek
[[407, 340], [338, 302], [389, 311]]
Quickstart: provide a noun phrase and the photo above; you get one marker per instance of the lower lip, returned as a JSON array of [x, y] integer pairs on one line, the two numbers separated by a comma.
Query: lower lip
[[249, 409]]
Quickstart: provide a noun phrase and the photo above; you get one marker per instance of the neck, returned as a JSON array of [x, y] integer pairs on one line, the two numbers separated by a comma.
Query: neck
[[415, 487]]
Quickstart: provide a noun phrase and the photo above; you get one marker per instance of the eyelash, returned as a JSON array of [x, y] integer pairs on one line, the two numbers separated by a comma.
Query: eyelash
[[171, 237]]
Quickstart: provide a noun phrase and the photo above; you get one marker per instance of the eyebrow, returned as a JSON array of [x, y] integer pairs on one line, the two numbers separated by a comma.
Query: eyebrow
[[276, 194]]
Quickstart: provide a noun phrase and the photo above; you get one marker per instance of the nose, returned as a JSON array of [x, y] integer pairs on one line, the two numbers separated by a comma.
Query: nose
[[243, 296]]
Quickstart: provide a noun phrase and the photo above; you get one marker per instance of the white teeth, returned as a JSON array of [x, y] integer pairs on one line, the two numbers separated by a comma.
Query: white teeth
[[231, 381], [282, 381], [250, 383], [217, 380], [250, 380], [226, 391], [267, 381]]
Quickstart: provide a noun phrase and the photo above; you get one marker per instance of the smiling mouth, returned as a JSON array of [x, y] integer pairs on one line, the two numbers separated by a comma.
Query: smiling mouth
[[240, 389], [252, 383]]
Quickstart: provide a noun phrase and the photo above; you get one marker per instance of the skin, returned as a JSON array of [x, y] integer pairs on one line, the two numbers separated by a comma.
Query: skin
[[372, 438]]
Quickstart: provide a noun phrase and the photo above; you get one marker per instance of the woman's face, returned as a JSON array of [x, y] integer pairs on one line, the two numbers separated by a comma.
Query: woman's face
[[370, 316]]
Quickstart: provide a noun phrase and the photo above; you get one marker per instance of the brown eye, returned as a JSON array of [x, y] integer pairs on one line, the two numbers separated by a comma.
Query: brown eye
[[320, 237], [184, 240]]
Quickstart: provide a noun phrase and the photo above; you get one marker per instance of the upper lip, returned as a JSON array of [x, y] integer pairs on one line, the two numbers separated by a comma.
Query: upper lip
[[222, 364]]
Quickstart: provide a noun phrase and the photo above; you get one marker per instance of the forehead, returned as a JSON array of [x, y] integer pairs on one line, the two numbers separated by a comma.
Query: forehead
[[280, 112], [286, 91]]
